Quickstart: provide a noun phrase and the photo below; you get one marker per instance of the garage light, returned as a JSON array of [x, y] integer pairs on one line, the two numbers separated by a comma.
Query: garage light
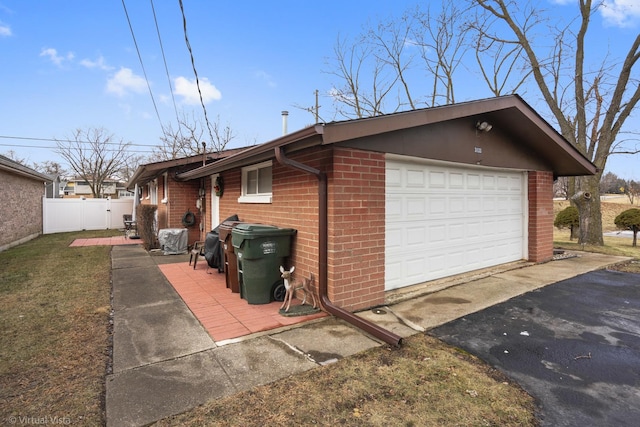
[[484, 126]]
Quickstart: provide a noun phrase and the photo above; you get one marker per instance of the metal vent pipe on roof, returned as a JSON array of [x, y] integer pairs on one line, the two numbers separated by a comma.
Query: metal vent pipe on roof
[[285, 115], [323, 238]]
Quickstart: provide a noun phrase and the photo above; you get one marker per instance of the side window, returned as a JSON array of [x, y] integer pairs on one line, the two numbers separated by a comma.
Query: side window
[[256, 183]]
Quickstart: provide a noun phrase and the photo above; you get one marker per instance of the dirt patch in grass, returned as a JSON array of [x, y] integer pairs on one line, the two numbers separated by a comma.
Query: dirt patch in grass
[[423, 383], [55, 314]]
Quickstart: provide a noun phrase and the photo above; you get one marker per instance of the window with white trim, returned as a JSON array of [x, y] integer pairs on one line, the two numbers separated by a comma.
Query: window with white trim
[[256, 183]]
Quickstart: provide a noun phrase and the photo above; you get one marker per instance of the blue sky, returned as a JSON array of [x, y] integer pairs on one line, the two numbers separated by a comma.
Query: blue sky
[[73, 64]]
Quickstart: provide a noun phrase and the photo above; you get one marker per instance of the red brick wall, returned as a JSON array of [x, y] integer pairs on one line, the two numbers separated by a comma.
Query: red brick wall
[[356, 219], [294, 205], [356, 229], [182, 197], [540, 216]]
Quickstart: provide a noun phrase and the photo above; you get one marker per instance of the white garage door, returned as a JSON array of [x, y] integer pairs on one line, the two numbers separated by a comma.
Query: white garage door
[[443, 220]]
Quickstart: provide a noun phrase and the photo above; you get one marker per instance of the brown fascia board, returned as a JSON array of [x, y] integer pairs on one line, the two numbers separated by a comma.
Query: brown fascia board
[[302, 138], [510, 113], [150, 171]]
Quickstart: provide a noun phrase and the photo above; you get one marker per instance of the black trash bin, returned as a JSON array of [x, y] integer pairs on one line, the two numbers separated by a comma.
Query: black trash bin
[[260, 251]]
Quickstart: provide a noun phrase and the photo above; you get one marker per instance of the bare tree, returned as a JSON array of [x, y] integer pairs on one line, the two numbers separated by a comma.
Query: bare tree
[[379, 70], [443, 42], [502, 64], [390, 41], [181, 142], [561, 187], [365, 80], [51, 167], [94, 155], [12, 155], [187, 139], [590, 106], [129, 166], [632, 190]]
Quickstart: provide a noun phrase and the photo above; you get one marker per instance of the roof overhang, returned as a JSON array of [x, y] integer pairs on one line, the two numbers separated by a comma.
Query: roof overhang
[[512, 115], [303, 138], [18, 169], [150, 171]]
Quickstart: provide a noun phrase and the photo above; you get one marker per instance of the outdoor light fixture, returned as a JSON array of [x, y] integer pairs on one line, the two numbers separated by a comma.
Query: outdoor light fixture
[[483, 126]]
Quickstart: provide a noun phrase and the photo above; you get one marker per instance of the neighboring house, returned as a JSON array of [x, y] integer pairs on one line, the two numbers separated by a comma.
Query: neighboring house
[[21, 192], [393, 201], [78, 187], [156, 184], [54, 188], [122, 192]]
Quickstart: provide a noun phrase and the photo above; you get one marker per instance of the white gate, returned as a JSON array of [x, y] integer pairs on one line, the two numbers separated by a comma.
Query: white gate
[[62, 215]]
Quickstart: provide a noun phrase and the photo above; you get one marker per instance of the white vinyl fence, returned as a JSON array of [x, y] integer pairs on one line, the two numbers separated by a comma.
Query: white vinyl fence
[[61, 215]]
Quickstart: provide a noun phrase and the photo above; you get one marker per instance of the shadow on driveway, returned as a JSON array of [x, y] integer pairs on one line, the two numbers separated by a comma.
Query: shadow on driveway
[[573, 345]]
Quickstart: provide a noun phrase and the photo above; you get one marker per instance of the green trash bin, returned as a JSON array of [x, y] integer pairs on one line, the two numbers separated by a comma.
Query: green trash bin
[[260, 250]]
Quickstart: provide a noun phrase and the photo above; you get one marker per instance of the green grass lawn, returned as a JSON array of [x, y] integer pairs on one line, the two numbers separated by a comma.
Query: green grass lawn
[[55, 329]]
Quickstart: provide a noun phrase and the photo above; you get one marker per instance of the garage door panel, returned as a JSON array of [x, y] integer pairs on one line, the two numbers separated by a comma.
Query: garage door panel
[[437, 205], [415, 237], [415, 206], [415, 178], [437, 179], [473, 181], [442, 221], [393, 177]]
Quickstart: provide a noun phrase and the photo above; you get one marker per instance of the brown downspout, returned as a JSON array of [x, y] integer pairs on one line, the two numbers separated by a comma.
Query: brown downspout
[[323, 238]]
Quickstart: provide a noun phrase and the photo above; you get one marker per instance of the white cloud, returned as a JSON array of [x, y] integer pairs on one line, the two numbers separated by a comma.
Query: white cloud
[[99, 63], [188, 90], [620, 13], [5, 30], [125, 81], [53, 56]]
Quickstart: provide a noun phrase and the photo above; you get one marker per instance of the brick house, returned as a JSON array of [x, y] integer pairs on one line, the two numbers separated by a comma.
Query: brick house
[[394, 201], [21, 195], [156, 184]]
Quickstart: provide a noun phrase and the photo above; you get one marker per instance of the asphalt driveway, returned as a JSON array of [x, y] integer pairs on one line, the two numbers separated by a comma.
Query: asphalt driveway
[[573, 345]]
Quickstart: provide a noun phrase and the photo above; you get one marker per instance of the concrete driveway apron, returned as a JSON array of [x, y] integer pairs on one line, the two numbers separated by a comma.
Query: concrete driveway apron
[[573, 345]]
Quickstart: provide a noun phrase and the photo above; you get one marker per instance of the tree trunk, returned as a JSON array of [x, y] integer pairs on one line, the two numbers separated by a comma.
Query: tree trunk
[[587, 200]]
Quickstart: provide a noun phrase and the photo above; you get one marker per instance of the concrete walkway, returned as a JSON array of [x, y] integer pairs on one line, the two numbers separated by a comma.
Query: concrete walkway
[[165, 363]]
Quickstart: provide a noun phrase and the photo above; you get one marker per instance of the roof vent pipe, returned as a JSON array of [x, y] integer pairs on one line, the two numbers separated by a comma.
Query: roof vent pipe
[[285, 115]]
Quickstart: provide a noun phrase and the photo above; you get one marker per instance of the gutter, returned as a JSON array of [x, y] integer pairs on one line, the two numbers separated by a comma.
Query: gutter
[[323, 238]]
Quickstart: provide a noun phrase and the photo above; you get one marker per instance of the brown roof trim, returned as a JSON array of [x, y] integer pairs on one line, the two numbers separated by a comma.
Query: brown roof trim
[[257, 153], [511, 113], [150, 171]]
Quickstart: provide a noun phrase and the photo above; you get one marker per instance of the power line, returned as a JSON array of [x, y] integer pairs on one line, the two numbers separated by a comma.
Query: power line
[[142, 64], [166, 68], [45, 147], [193, 64], [68, 140]]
